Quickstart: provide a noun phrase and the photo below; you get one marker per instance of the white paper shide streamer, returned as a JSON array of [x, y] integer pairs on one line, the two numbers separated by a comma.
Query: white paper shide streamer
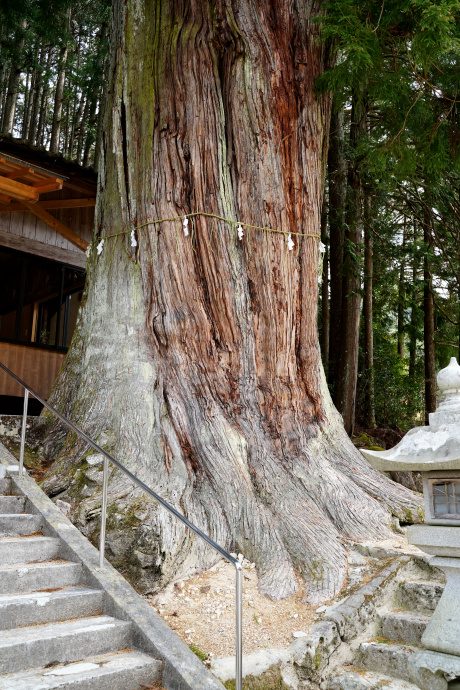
[[185, 225], [290, 242], [133, 239], [240, 232]]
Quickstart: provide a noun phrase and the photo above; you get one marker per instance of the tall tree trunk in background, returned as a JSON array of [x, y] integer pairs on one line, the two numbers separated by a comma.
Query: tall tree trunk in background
[[35, 94], [345, 390], [336, 212], [27, 99], [39, 134], [368, 315], [196, 359], [100, 122], [59, 94], [3, 89], [402, 297], [325, 321], [76, 124], [413, 312], [13, 82], [458, 332], [428, 317], [89, 141]]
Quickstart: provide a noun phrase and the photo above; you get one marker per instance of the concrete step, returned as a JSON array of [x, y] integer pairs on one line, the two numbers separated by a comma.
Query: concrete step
[[19, 525], [128, 670], [366, 680], [27, 549], [404, 626], [390, 659], [49, 607], [30, 577], [41, 645], [5, 486], [421, 596], [12, 504]]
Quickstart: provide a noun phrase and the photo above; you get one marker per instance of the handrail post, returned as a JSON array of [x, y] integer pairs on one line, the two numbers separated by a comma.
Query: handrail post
[[23, 431], [239, 628], [103, 512]]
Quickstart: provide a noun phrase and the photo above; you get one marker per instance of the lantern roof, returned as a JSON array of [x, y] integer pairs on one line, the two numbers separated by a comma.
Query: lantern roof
[[433, 447]]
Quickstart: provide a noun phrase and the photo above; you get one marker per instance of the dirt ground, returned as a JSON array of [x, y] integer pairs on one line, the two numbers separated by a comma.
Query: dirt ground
[[201, 611]]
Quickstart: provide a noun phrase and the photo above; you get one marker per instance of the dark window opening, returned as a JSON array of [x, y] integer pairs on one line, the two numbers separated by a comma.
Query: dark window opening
[[39, 300]]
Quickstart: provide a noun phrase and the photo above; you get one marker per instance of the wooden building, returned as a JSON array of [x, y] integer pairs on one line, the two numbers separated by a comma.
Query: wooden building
[[46, 222]]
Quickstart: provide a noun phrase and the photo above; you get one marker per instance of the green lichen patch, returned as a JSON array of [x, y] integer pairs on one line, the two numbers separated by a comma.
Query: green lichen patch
[[270, 680]]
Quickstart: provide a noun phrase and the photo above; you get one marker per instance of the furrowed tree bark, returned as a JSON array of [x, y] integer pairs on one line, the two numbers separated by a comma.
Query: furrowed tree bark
[[337, 198], [196, 359]]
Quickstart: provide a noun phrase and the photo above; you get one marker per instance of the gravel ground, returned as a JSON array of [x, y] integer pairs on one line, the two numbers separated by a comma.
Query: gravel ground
[[201, 611]]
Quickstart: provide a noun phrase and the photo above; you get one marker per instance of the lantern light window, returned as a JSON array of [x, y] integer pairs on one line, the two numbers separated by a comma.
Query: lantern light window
[[446, 498]]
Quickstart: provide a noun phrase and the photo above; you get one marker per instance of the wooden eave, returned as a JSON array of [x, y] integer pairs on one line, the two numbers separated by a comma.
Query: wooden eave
[[22, 183]]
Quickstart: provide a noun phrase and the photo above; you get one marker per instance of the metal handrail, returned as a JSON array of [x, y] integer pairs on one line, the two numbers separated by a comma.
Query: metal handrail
[[234, 561]]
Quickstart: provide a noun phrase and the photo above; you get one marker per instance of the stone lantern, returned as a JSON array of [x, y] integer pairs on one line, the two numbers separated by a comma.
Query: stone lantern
[[434, 451]]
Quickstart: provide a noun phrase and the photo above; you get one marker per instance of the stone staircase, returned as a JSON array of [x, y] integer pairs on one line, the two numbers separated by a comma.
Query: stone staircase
[[67, 624], [385, 661]]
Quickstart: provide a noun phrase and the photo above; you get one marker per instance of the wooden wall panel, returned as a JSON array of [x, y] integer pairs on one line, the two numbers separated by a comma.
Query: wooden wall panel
[[28, 227], [38, 368]]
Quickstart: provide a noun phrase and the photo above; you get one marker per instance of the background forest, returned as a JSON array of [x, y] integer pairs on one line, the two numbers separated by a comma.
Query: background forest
[[390, 289]]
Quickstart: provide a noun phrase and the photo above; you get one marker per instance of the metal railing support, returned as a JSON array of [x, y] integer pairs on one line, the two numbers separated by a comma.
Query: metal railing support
[[239, 627], [105, 481], [107, 457], [23, 431]]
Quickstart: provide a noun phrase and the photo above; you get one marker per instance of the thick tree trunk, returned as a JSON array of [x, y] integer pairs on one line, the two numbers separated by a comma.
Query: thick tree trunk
[[196, 359], [337, 199], [345, 389], [368, 317], [428, 320]]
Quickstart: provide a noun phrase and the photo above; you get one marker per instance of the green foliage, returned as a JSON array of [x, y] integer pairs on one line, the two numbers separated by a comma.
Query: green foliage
[[196, 650], [401, 58], [32, 36]]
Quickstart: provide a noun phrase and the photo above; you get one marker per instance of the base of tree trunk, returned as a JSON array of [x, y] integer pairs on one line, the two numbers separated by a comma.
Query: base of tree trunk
[[287, 501]]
